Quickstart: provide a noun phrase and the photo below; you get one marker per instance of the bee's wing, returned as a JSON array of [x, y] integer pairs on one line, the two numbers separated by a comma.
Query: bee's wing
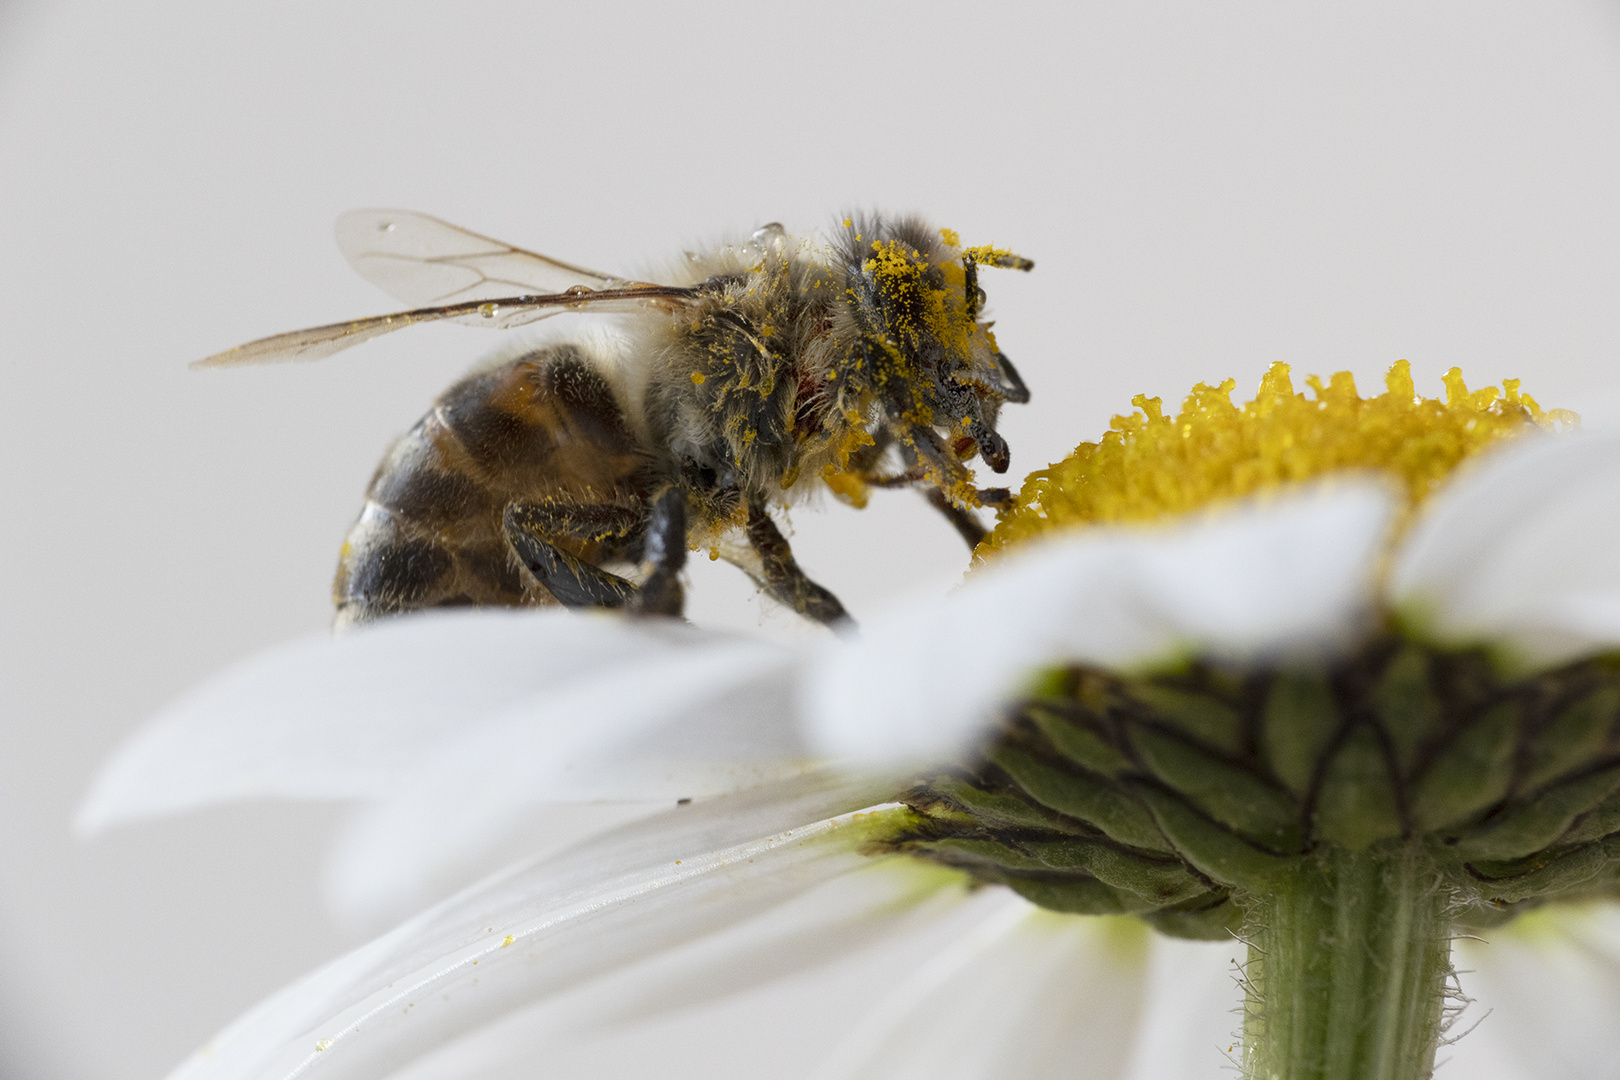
[[419, 260], [509, 311]]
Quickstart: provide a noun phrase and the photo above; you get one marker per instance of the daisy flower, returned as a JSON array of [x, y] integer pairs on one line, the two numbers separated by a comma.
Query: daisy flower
[[1322, 683]]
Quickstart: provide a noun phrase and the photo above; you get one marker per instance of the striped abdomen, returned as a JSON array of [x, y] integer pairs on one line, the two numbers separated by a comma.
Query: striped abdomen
[[543, 429]]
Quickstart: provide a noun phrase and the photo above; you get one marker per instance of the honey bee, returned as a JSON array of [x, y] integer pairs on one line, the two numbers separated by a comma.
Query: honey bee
[[581, 472]]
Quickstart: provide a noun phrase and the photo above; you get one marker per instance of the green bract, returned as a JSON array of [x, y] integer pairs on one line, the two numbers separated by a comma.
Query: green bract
[[1178, 795]]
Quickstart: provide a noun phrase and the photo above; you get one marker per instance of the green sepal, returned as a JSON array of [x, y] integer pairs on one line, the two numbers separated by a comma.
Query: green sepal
[[1234, 797], [1079, 743], [1575, 736], [1160, 881], [1602, 820], [1471, 774], [1222, 922], [1356, 805], [1407, 705], [1297, 726], [1543, 873], [1199, 716], [1084, 796], [1487, 914], [1163, 882], [1210, 848], [1077, 896], [1053, 682], [1003, 809], [1533, 825]]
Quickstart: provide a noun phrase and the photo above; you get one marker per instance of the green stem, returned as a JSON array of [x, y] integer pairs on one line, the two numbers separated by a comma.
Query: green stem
[[1349, 958]]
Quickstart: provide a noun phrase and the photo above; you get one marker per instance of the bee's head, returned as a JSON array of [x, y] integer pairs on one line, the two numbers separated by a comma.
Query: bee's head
[[930, 361]]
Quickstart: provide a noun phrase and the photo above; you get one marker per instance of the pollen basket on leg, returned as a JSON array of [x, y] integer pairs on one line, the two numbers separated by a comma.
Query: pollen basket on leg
[[1150, 466]]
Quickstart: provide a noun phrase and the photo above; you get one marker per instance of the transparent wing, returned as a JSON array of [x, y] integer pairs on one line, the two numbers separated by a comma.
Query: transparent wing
[[322, 341], [419, 260]]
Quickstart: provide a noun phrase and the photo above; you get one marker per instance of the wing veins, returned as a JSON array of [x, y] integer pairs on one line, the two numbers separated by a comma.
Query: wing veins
[[417, 240], [461, 263], [316, 342]]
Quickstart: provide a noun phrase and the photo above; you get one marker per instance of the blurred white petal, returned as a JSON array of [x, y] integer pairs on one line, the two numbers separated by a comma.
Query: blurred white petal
[[353, 716], [1021, 992], [1547, 991], [1522, 551], [1257, 581], [543, 831], [537, 931], [1195, 1012], [700, 723], [886, 900]]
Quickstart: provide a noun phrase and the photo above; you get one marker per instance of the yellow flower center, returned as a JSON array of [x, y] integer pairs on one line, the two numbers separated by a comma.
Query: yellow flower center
[[1150, 466]]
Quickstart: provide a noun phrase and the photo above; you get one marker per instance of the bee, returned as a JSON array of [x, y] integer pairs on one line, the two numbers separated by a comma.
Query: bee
[[582, 471]]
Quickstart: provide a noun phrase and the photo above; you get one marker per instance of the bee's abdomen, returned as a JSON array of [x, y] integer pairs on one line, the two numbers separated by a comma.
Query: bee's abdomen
[[543, 428], [429, 536]]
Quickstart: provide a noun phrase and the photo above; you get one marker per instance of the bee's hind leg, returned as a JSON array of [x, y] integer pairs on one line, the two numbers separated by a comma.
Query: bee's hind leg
[[573, 581], [665, 551], [782, 577]]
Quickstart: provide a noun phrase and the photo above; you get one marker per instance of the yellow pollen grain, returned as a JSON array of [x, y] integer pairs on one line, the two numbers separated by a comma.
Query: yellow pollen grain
[[903, 280], [509, 939], [951, 237], [698, 378], [846, 487], [1149, 466]]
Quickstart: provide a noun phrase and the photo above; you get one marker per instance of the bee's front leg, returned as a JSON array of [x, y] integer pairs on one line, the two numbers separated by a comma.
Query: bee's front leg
[[962, 520], [665, 552], [782, 577]]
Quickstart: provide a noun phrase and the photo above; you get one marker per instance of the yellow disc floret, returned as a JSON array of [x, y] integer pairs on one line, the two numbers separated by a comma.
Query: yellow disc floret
[[1150, 466]]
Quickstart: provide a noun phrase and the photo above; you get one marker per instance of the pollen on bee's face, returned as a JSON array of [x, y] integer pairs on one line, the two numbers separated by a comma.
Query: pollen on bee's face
[[924, 303], [1150, 466]]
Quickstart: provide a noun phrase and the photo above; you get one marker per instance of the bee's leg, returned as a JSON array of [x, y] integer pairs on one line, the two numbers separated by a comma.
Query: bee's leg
[[964, 520], [929, 458], [661, 593], [573, 581], [1015, 391], [865, 459], [782, 577], [601, 522]]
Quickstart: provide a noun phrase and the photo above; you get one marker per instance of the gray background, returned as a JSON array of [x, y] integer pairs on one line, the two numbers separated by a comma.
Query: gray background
[[1206, 188]]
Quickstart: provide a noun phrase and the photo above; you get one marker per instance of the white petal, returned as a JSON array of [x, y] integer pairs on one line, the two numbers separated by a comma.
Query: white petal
[[939, 982], [1289, 576], [1548, 995], [1520, 552], [351, 716], [701, 723], [770, 991], [533, 933], [364, 909], [1023, 993], [1190, 1030]]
